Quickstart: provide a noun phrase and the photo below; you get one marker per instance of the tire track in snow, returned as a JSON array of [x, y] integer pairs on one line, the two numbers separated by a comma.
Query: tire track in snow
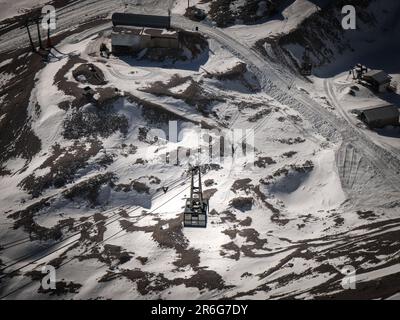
[[386, 172], [325, 122]]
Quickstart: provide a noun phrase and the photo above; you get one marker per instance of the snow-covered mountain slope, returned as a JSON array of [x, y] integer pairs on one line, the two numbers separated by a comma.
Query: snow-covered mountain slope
[[334, 49], [253, 20], [9, 10], [82, 175]]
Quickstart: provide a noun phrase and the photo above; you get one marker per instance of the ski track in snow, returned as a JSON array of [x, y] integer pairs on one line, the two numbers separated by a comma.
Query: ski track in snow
[[279, 269]]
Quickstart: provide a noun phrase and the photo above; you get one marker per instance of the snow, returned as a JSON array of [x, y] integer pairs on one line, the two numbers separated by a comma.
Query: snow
[[322, 190], [395, 297], [179, 6], [280, 244], [363, 277], [5, 62], [291, 17], [363, 97], [18, 7], [5, 78]]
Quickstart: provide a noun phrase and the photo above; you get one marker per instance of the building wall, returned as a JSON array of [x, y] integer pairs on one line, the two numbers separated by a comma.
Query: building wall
[[164, 43], [377, 86], [134, 43], [384, 122], [127, 40], [383, 87], [380, 123]]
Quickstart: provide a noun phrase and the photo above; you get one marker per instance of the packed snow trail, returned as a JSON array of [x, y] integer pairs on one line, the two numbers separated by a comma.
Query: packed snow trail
[[332, 96]]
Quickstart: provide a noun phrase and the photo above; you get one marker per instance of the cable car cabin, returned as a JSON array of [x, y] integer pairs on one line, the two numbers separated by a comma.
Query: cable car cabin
[[195, 215], [306, 69], [196, 208]]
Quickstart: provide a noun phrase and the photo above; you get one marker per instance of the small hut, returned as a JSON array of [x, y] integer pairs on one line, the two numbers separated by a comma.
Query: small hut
[[380, 116], [378, 79]]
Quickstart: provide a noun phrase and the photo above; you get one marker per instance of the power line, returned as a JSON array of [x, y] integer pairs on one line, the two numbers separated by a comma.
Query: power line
[[20, 259], [91, 247]]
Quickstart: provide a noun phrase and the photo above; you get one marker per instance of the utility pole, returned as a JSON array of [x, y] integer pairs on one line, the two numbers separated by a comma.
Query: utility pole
[[39, 36], [49, 44], [30, 36]]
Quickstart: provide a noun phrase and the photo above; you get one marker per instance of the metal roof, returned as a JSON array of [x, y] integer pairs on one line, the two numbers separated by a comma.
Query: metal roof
[[385, 111], [140, 20], [379, 76]]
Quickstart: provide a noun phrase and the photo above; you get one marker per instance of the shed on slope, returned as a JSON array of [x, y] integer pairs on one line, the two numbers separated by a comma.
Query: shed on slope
[[380, 116], [378, 79]]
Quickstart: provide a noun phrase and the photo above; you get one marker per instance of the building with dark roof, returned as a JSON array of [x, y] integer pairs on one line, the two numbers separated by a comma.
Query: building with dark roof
[[132, 33], [380, 116], [132, 39], [141, 20], [378, 79]]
